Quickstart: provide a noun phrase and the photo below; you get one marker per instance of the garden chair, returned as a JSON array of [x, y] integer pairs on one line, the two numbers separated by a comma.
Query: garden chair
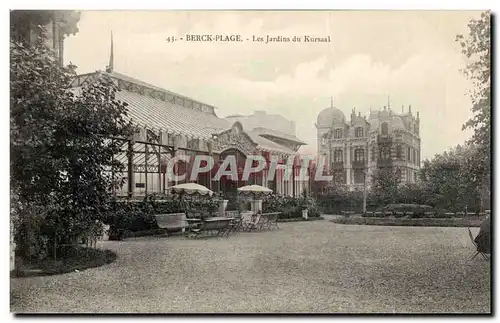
[[237, 222], [478, 251], [272, 220], [256, 222]]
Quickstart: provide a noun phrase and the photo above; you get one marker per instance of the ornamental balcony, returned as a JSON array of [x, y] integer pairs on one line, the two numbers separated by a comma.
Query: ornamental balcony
[[337, 165], [384, 139], [358, 164], [382, 162]]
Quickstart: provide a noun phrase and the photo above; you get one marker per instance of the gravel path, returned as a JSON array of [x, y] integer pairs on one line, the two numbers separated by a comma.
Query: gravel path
[[316, 266]]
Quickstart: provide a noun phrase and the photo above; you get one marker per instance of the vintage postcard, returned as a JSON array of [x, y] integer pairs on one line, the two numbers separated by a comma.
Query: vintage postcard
[[250, 162]]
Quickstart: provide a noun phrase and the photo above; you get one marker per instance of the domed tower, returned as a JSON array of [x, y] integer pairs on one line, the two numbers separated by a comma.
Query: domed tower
[[326, 121]]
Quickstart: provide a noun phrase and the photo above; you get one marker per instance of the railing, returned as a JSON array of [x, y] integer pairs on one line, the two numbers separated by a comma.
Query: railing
[[337, 165], [384, 139], [384, 162], [358, 164]]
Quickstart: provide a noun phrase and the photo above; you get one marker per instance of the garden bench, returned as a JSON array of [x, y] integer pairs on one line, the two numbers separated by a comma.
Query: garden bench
[[219, 225], [173, 221]]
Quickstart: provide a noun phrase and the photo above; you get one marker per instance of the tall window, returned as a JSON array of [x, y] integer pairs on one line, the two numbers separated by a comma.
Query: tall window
[[385, 153], [358, 132], [374, 153], [398, 175], [337, 134], [359, 155], [359, 176], [337, 156], [385, 128], [399, 152], [408, 153]]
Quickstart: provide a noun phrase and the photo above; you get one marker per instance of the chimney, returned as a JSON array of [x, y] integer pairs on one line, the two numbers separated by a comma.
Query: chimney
[[403, 108], [418, 116], [409, 109]]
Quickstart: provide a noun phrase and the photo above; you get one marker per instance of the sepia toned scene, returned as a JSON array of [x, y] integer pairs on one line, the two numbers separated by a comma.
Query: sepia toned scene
[[250, 162]]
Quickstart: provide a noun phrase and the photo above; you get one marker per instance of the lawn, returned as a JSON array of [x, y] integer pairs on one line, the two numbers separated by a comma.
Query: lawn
[[316, 266]]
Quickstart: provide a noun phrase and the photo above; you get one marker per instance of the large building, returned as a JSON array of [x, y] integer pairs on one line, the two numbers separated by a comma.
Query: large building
[[170, 124], [355, 148]]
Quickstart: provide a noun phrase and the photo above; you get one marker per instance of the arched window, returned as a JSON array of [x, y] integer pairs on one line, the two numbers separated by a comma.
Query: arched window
[[374, 153], [385, 128], [358, 132], [338, 133], [337, 156], [359, 155], [399, 154]]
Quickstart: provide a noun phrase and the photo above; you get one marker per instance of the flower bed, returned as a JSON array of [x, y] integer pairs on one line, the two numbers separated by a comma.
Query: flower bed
[[72, 259], [290, 207]]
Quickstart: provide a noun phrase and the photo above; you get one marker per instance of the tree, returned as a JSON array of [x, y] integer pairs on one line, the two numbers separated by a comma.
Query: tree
[[61, 157], [384, 187], [449, 180], [476, 46], [24, 21]]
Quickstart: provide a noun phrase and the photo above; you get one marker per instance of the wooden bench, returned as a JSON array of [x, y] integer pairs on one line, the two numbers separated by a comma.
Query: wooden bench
[[172, 221]]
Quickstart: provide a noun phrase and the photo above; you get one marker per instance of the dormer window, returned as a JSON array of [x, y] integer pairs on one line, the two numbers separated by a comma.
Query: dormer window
[[337, 133], [358, 132], [385, 129]]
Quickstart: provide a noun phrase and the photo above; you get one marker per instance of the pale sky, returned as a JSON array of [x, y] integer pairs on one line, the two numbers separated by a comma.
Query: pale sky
[[409, 55]]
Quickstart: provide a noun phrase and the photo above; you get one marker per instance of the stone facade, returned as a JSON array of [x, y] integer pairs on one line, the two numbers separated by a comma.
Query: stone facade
[[355, 148]]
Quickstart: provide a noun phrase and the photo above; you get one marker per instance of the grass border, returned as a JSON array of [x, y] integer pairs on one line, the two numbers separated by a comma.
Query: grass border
[[316, 218], [406, 222]]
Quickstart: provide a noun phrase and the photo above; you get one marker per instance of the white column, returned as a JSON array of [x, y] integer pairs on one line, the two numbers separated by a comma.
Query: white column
[[347, 164], [12, 247]]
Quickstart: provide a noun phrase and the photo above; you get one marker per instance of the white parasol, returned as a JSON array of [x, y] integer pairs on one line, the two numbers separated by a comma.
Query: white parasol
[[191, 188], [255, 189]]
